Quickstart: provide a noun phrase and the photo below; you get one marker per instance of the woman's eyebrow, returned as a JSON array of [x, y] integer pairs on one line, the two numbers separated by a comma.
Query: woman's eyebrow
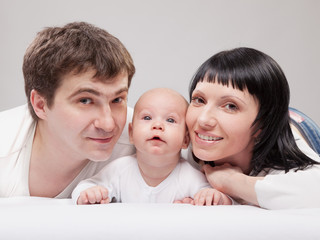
[[232, 96], [197, 91]]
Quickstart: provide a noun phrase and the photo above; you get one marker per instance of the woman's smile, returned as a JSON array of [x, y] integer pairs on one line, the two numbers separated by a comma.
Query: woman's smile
[[208, 138]]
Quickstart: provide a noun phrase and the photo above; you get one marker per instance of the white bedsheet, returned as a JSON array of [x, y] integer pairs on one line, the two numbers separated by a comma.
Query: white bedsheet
[[43, 218]]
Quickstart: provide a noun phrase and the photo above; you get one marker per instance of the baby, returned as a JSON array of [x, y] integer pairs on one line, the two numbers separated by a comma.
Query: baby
[[156, 173]]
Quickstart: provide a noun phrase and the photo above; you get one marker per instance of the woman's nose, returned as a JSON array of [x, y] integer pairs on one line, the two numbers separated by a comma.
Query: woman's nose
[[207, 119]]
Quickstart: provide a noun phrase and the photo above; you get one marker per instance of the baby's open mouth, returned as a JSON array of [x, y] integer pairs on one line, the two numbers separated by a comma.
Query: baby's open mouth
[[156, 138]]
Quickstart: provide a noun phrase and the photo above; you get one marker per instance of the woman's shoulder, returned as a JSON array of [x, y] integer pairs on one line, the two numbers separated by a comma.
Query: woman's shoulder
[[270, 171], [303, 145]]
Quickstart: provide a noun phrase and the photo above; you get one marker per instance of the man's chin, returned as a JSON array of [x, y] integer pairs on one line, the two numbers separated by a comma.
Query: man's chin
[[100, 157]]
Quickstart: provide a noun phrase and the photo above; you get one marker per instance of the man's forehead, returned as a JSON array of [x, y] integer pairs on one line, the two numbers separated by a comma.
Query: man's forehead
[[86, 82]]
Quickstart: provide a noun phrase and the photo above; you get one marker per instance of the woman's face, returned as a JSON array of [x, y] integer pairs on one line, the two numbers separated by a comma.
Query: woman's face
[[219, 120]]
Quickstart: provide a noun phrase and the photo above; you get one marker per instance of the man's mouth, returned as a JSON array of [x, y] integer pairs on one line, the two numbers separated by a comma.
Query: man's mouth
[[102, 140], [208, 138]]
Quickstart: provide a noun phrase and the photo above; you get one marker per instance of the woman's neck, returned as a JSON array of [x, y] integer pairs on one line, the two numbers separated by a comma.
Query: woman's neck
[[241, 160]]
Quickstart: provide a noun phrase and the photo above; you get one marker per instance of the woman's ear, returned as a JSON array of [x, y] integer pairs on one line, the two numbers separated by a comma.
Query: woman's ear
[[257, 133], [130, 133], [38, 103], [256, 136], [186, 140]]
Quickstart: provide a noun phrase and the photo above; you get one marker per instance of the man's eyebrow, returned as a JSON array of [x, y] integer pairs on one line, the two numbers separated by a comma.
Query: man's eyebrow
[[85, 90], [121, 90], [95, 92]]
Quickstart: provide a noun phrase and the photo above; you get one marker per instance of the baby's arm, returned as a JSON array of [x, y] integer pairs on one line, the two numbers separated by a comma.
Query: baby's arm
[[93, 195], [210, 196]]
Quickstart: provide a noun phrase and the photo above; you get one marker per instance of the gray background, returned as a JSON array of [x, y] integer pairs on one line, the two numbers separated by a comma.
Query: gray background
[[169, 39]]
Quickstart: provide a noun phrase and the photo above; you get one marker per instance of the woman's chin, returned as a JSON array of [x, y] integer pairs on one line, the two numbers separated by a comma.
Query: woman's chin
[[203, 156]]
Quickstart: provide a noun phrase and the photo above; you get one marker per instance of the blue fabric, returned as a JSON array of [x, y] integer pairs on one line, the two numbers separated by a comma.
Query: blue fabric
[[307, 127]]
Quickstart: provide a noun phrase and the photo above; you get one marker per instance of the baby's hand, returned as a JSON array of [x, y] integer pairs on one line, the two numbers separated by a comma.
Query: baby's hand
[[94, 195], [187, 200], [210, 196]]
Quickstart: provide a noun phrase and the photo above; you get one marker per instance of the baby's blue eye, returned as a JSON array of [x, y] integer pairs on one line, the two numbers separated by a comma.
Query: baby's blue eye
[[171, 120], [86, 100], [146, 118]]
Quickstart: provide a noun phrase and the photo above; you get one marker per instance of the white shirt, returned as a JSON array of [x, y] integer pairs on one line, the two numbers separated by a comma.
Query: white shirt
[[125, 184], [294, 189]]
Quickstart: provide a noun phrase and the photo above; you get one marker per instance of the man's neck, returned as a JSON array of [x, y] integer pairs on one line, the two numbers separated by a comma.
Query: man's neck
[[51, 168]]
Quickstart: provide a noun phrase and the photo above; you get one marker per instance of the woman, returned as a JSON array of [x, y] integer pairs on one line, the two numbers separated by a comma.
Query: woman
[[238, 119]]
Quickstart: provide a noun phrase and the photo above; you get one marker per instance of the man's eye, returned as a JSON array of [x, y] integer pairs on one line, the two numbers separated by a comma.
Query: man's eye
[[118, 100], [86, 100], [146, 118], [171, 120]]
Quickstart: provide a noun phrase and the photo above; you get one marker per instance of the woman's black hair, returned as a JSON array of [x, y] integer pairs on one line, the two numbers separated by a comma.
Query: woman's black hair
[[247, 68]]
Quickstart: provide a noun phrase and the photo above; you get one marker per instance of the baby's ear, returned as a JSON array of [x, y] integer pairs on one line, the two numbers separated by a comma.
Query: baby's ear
[[186, 140], [130, 133], [38, 103]]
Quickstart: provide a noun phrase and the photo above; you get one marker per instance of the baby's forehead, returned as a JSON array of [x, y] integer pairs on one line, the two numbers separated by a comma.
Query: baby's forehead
[[162, 95], [162, 99]]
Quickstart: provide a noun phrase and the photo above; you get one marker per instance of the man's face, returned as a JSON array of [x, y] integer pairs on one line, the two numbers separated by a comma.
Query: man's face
[[87, 116]]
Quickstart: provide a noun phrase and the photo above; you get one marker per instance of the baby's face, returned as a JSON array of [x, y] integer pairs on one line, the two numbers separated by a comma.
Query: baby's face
[[159, 125]]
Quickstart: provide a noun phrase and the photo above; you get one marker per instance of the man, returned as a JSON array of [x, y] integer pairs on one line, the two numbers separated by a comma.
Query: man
[[76, 81]]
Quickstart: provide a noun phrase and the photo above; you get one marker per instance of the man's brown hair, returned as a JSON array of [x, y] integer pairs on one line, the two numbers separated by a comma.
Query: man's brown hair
[[75, 47]]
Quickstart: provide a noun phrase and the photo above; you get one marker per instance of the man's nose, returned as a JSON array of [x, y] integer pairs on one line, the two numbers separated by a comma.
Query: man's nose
[[105, 120]]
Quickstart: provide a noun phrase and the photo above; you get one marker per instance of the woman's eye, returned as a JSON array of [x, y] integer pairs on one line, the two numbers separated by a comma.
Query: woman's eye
[[171, 120], [86, 100], [146, 118], [231, 107], [197, 100]]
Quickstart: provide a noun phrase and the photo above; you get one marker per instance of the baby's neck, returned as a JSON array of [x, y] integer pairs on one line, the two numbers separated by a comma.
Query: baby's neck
[[151, 180], [154, 170]]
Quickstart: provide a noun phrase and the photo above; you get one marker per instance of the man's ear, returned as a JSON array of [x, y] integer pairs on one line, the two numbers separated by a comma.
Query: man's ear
[[38, 103], [186, 140], [130, 133]]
